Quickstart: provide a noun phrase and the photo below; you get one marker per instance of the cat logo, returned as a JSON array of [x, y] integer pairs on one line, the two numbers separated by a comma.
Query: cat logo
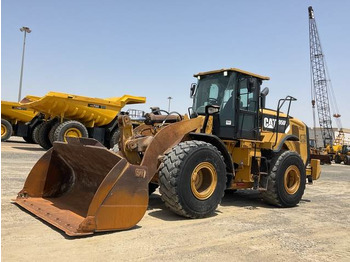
[[269, 123]]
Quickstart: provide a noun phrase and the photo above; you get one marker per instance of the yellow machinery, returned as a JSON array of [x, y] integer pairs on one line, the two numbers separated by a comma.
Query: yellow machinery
[[78, 116], [228, 141], [338, 151], [18, 120], [342, 155]]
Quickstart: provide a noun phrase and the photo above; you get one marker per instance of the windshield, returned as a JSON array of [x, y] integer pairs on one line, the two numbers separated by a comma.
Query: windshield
[[212, 90]]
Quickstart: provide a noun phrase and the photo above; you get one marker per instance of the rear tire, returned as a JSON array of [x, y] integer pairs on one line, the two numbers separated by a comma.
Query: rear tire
[[70, 128], [6, 130], [286, 180], [337, 159], [346, 160], [192, 179], [43, 135], [35, 133], [114, 138], [52, 132]]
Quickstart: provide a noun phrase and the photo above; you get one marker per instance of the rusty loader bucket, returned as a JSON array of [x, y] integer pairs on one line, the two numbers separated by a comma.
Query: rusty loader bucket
[[81, 188]]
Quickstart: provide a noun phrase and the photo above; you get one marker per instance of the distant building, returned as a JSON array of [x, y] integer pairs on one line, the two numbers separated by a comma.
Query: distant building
[[319, 140]]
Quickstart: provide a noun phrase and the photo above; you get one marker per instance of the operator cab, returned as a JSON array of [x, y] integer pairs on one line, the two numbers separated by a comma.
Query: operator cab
[[236, 95]]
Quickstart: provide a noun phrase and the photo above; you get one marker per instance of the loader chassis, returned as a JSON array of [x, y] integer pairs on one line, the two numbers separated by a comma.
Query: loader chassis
[[223, 144]]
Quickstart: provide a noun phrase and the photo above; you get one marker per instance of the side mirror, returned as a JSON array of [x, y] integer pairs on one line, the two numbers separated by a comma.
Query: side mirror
[[193, 89], [265, 91], [263, 95]]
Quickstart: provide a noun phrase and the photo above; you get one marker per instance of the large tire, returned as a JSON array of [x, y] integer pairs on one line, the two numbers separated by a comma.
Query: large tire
[[70, 128], [346, 160], [337, 159], [114, 138], [286, 180], [43, 135], [52, 132], [193, 179], [6, 130], [35, 132]]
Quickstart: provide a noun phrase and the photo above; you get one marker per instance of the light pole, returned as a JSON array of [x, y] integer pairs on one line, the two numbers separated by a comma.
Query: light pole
[[25, 30], [169, 103]]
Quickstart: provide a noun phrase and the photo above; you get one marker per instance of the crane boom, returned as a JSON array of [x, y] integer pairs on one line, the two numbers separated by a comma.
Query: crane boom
[[319, 83]]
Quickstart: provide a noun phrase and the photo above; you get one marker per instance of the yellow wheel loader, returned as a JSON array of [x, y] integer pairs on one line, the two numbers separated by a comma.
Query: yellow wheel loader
[[343, 155], [228, 141]]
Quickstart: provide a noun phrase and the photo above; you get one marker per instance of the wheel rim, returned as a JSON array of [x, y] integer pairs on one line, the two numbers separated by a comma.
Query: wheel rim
[[203, 180], [72, 132], [292, 179], [3, 130]]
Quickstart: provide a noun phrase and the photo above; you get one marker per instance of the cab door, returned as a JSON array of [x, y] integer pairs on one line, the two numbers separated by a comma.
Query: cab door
[[248, 106]]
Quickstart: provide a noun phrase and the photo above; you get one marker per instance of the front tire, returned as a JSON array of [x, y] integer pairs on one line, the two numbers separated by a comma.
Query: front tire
[[70, 128], [286, 180], [193, 179], [6, 130], [43, 134]]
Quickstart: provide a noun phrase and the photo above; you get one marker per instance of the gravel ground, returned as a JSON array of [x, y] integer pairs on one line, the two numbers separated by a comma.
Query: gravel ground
[[242, 229]]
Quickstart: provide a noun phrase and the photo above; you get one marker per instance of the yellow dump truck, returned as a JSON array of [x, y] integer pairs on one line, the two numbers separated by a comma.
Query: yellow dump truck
[[18, 120], [70, 115]]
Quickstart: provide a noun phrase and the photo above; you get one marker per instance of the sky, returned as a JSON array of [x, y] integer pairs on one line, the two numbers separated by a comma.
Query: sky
[[101, 48]]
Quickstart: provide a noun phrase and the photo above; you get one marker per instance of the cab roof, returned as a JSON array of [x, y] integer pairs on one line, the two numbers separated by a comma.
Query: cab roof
[[234, 70]]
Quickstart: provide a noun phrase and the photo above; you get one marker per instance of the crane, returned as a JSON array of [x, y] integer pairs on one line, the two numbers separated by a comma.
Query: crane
[[321, 88]]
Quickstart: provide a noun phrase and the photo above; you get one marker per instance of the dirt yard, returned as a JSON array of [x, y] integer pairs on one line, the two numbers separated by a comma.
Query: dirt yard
[[243, 228]]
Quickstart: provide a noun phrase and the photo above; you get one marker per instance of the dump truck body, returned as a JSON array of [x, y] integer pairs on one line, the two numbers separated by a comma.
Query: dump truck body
[[79, 116], [192, 158], [16, 112], [17, 120], [92, 112]]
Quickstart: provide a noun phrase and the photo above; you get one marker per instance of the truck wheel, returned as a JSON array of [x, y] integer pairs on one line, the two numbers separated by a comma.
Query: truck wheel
[[70, 128], [35, 133], [43, 134], [52, 132], [192, 179], [286, 180], [337, 159], [346, 160], [114, 138], [6, 130]]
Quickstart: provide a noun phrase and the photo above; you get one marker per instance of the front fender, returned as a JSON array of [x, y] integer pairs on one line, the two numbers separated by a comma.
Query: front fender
[[165, 139]]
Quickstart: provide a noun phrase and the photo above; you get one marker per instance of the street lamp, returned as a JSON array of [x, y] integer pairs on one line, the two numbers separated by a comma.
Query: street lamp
[[25, 30], [169, 103]]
